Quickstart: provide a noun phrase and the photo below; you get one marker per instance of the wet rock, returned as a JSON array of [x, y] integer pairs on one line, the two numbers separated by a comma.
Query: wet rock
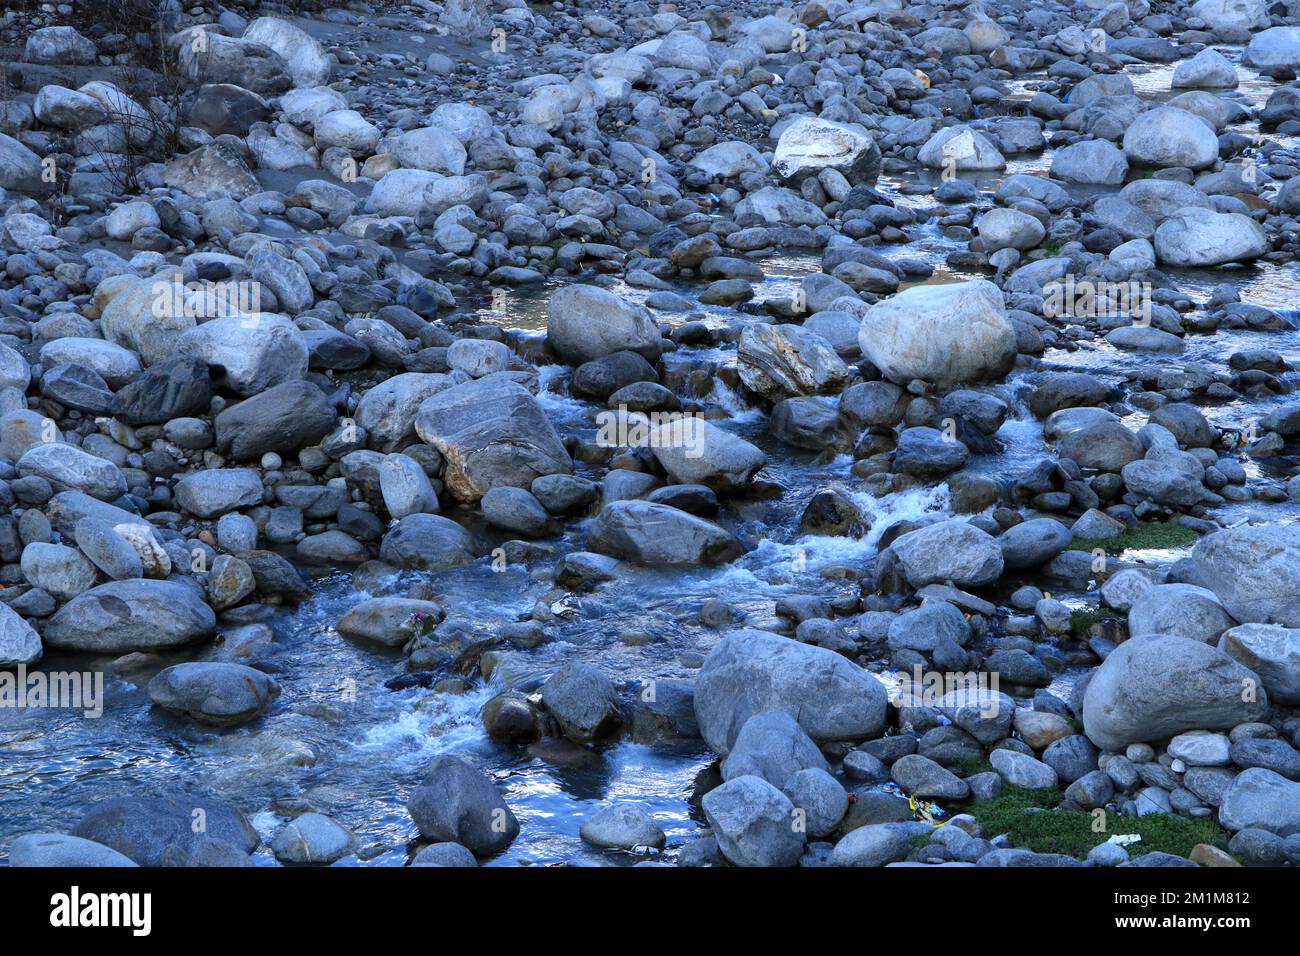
[[313, 838], [491, 432], [212, 693], [583, 702], [657, 534], [62, 850], [162, 831], [456, 803], [694, 451], [622, 827], [428, 543], [390, 620]]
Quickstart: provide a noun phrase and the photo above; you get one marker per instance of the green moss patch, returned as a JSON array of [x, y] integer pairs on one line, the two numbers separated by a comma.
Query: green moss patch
[[1032, 820], [1153, 535], [1083, 618]]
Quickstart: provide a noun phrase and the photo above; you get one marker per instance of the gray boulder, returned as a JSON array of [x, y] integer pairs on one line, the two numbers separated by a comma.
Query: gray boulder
[[749, 672], [428, 543], [952, 550], [490, 432], [213, 693], [1155, 687], [773, 746], [125, 616], [586, 322], [284, 418], [167, 831], [755, 823], [659, 534], [622, 827], [1182, 610], [1255, 571], [1272, 652], [583, 702], [62, 850], [457, 803]]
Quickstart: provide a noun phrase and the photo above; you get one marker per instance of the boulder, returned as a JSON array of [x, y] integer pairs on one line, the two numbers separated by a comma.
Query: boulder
[[20, 645], [778, 361], [754, 823], [1255, 571], [1156, 687], [1261, 799], [749, 672], [622, 827], [427, 543], [284, 418], [1272, 652], [457, 803], [391, 621], [1183, 610], [1274, 48], [949, 551], [811, 144], [773, 746], [491, 432], [305, 60], [210, 494], [162, 831], [583, 702], [946, 334], [1201, 237], [125, 616], [658, 534], [249, 353], [960, 149], [62, 850], [1169, 136], [213, 693], [586, 322]]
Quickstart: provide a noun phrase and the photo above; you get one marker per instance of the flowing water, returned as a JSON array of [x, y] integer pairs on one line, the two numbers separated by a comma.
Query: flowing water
[[341, 741]]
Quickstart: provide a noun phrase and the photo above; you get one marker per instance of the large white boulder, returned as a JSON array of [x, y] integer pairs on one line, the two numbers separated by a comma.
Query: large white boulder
[[1202, 237], [946, 334]]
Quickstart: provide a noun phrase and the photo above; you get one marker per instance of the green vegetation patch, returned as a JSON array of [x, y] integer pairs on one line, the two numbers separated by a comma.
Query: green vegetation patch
[[1033, 821], [1083, 618], [1153, 535]]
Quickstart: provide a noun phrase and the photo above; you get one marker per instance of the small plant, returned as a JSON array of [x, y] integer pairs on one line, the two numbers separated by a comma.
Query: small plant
[[421, 624], [1082, 619]]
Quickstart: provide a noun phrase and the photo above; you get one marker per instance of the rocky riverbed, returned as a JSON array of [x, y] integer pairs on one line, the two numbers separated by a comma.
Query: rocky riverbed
[[692, 434]]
